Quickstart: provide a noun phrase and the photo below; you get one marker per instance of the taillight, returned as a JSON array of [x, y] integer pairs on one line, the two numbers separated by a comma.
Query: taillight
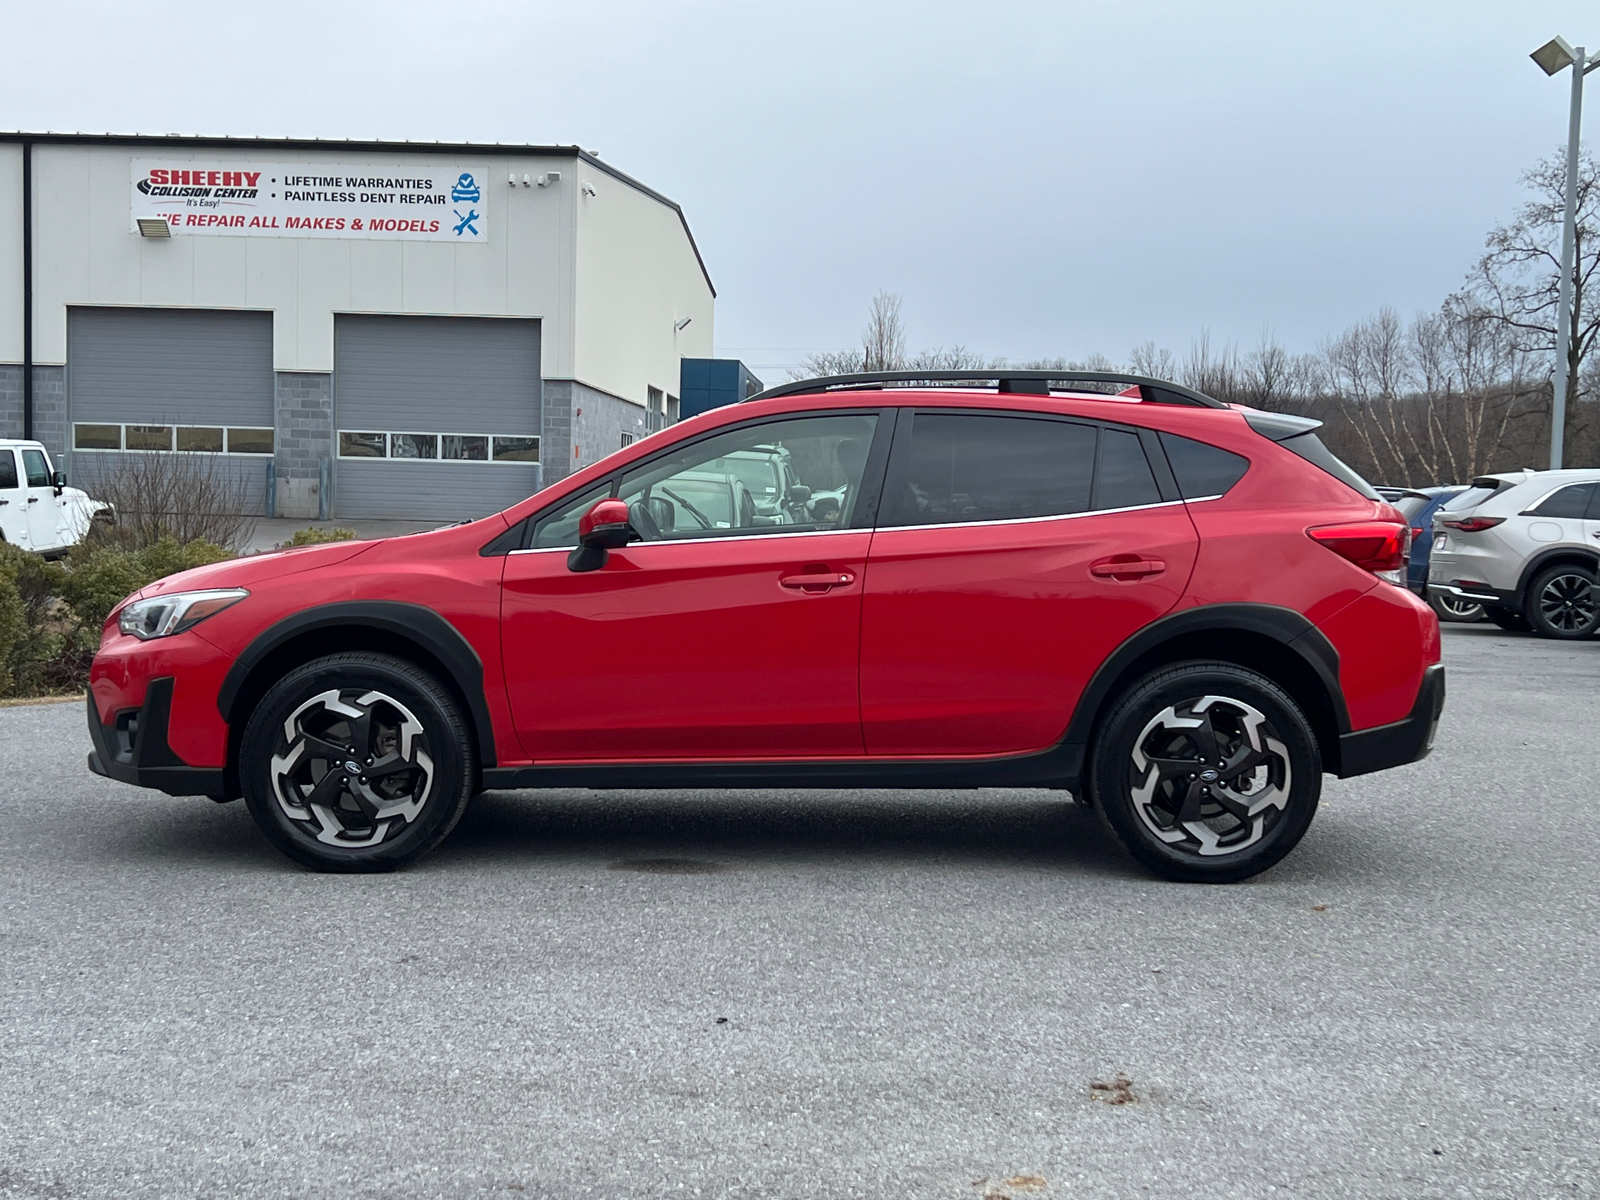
[[1377, 546], [1473, 524]]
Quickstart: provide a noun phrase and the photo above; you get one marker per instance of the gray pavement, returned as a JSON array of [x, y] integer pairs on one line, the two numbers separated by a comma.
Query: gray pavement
[[819, 994]]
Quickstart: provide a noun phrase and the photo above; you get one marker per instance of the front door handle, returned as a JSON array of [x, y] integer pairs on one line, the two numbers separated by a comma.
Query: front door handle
[[33, 499], [1127, 567], [816, 579]]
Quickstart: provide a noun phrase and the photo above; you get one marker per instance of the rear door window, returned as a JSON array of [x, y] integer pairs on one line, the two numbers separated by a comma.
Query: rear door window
[[1573, 502], [8, 470], [962, 467], [1123, 478]]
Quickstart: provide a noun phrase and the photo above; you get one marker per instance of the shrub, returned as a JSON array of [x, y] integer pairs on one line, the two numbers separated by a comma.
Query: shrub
[[96, 577], [312, 536], [13, 630], [51, 613]]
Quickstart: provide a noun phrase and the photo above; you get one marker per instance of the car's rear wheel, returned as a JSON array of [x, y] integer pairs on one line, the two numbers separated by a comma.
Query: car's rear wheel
[[1511, 622], [1563, 602], [1448, 608], [356, 762], [1206, 772]]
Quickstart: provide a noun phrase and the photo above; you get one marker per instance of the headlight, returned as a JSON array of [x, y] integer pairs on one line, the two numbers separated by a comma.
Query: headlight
[[162, 616]]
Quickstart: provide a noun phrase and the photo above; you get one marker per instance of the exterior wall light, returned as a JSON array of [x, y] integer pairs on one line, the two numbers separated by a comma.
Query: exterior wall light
[[549, 177], [153, 227]]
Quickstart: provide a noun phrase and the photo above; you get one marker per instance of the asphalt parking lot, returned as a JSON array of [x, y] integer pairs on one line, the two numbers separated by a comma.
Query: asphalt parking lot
[[820, 994]]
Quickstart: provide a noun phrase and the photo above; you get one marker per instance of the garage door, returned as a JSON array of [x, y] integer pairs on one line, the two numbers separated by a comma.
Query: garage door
[[435, 417], [143, 381]]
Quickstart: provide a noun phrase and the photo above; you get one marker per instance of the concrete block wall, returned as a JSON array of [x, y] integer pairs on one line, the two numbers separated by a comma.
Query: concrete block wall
[[50, 409], [10, 400], [582, 425], [302, 439]]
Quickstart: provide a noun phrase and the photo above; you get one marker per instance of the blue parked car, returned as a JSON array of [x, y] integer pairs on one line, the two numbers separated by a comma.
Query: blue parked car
[[1418, 505]]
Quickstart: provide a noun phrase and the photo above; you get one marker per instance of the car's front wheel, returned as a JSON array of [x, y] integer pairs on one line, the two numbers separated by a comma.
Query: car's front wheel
[[1563, 602], [1206, 772], [356, 762]]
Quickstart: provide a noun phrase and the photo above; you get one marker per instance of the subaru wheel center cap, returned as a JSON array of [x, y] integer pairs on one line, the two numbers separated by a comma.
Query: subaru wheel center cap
[[353, 767], [1208, 775]]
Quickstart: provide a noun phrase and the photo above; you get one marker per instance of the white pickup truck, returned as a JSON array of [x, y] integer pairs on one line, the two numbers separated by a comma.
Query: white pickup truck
[[38, 511]]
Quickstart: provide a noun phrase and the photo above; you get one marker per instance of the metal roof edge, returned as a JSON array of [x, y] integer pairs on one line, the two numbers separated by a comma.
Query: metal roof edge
[[585, 156]]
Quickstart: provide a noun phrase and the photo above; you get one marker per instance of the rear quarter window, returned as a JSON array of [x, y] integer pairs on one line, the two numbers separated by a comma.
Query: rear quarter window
[[1202, 470], [1309, 447]]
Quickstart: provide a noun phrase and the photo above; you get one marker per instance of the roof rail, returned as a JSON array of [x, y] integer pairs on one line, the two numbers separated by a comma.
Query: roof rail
[[1151, 391]]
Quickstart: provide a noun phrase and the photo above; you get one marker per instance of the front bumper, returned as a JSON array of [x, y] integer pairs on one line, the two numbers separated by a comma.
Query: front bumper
[[134, 749], [1404, 741]]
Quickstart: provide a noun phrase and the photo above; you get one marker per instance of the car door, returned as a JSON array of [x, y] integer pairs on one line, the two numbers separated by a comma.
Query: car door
[[1014, 552], [722, 632], [42, 505], [13, 501]]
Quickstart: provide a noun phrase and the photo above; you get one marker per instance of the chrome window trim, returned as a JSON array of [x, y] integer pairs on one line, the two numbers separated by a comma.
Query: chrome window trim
[[1089, 512]]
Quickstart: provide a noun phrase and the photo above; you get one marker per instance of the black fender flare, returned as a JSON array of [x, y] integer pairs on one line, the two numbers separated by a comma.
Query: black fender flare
[[1538, 561], [413, 622], [1288, 628]]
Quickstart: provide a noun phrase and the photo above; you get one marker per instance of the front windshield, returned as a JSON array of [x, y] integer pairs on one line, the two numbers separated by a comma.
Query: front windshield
[[760, 475]]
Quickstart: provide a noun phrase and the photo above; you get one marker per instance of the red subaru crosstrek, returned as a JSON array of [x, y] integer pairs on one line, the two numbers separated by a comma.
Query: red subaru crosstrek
[[1184, 611]]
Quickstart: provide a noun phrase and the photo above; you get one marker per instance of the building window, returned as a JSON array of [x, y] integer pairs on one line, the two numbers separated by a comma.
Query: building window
[[97, 437], [460, 447], [196, 439], [203, 438], [627, 440], [147, 437], [672, 410], [250, 441], [413, 445], [439, 447], [516, 449]]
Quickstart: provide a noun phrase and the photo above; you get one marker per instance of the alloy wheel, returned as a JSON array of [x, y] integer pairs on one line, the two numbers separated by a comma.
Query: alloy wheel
[[1210, 776], [1567, 602], [1461, 610], [352, 767]]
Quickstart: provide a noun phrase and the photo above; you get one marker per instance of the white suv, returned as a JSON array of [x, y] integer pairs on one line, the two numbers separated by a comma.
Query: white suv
[[1526, 545], [38, 511]]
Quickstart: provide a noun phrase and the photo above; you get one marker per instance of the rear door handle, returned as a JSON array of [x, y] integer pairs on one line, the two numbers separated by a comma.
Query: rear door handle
[[1126, 567], [817, 581], [33, 499]]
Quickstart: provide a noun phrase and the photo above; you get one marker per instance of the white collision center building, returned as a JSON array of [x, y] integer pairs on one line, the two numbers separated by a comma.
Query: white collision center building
[[358, 329]]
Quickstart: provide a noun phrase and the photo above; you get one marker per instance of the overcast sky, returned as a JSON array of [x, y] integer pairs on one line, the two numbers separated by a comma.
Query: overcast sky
[[1034, 178]]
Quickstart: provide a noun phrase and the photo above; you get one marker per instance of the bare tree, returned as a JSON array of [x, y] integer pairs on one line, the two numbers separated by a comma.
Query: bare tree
[[174, 494], [883, 342], [1517, 281]]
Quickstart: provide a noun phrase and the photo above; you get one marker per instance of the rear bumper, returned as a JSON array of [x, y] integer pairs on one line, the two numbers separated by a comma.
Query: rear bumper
[[134, 749], [1479, 595], [1404, 741]]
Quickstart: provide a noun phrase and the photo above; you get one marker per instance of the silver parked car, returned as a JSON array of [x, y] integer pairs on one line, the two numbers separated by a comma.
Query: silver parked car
[[1526, 545]]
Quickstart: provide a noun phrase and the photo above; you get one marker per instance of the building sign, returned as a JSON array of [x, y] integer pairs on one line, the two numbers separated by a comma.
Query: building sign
[[258, 199]]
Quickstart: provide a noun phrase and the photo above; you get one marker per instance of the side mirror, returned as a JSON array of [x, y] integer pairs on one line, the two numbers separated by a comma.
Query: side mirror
[[58, 481], [602, 529], [799, 493]]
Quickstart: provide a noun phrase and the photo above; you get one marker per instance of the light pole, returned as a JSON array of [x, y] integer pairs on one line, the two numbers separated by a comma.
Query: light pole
[[1556, 55]]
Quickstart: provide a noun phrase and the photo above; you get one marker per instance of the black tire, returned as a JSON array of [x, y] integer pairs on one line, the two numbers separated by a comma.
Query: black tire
[[1564, 603], [1506, 619], [393, 719], [1140, 783], [1461, 611]]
